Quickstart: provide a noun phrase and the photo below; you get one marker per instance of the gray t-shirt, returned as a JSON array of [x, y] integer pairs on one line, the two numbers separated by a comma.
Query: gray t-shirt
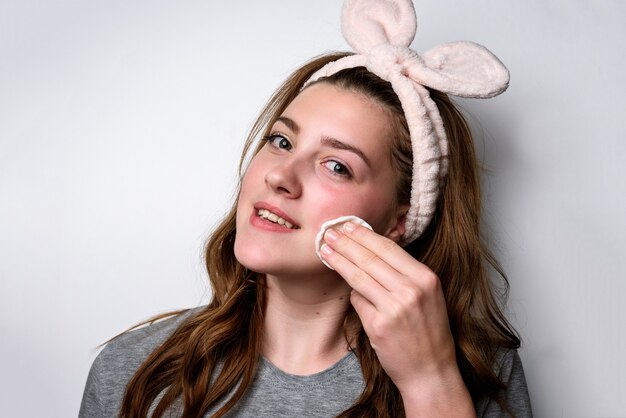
[[274, 393]]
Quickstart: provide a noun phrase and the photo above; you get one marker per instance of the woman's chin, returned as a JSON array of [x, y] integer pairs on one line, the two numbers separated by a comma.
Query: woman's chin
[[278, 265], [253, 258]]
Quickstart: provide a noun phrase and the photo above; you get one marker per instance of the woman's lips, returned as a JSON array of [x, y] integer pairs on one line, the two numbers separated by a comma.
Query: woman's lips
[[267, 225], [277, 212]]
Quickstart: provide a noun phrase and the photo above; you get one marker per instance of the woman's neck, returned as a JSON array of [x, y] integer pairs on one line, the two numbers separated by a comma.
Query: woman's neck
[[304, 323]]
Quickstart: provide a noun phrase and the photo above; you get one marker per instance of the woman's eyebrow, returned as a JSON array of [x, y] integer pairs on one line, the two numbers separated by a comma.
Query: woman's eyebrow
[[335, 143], [290, 124]]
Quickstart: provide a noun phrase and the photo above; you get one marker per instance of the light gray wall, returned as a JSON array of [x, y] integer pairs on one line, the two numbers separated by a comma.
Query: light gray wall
[[120, 127]]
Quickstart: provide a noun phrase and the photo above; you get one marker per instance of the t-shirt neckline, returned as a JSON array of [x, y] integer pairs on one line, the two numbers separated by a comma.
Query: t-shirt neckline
[[279, 376]]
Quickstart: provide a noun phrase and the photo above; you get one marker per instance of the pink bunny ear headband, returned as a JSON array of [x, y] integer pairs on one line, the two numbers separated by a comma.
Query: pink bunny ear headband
[[381, 32]]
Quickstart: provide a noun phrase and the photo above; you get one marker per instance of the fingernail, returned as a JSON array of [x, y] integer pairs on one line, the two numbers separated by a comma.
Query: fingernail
[[325, 249], [331, 235], [349, 226]]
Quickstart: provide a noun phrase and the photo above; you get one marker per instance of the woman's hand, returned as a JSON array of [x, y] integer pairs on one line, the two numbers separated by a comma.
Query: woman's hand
[[401, 305]]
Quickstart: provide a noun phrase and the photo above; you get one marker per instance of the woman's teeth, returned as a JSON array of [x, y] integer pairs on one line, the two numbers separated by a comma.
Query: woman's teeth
[[266, 214]]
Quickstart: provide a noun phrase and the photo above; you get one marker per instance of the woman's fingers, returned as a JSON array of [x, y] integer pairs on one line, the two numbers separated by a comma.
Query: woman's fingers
[[363, 258], [381, 258], [363, 307], [389, 251], [356, 277]]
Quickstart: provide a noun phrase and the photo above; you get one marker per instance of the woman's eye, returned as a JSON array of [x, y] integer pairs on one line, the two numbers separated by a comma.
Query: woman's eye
[[278, 141], [337, 168]]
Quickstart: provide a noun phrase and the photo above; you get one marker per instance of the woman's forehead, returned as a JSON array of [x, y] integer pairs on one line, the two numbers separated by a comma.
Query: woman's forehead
[[334, 111]]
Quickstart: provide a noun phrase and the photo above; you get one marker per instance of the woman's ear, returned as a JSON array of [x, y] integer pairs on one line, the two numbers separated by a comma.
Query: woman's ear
[[397, 224]]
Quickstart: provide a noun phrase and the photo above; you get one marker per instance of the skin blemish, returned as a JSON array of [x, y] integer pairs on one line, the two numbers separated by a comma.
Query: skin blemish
[[341, 298], [325, 293], [317, 313]]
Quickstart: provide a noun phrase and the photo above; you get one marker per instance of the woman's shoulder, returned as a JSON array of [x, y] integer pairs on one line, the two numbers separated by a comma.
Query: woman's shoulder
[[507, 364], [509, 369], [144, 339], [118, 361]]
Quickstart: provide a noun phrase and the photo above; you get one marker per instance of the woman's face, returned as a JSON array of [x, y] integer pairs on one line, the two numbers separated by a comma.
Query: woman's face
[[327, 156]]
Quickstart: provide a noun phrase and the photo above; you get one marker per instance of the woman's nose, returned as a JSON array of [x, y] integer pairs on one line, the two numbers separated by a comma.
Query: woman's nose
[[284, 179]]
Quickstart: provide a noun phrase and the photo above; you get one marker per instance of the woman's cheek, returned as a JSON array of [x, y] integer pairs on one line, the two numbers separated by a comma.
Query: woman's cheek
[[333, 202]]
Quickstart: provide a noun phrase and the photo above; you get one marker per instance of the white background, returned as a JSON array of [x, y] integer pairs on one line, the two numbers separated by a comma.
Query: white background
[[121, 123]]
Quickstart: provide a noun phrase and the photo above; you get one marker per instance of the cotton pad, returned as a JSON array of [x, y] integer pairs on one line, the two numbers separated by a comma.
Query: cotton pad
[[319, 239]]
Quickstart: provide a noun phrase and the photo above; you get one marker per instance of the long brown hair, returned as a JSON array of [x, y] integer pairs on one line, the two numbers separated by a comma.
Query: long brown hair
[[215, 352]]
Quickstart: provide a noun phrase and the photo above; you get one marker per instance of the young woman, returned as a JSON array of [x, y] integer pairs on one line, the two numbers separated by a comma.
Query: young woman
[[405, 323]]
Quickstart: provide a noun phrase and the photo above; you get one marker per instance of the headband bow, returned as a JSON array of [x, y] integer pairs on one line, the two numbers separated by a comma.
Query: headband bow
[[381, 32]]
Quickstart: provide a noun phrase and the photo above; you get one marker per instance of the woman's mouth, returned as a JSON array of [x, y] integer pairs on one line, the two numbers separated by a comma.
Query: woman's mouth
[[272, 217]]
